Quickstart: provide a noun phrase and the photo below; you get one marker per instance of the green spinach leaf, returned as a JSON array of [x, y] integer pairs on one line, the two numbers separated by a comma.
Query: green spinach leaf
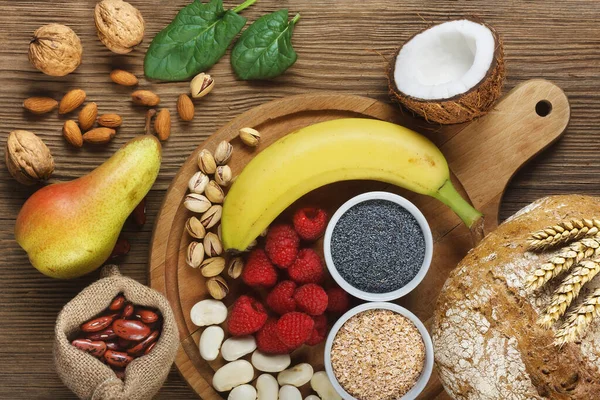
[[265, 49], [194, 41]]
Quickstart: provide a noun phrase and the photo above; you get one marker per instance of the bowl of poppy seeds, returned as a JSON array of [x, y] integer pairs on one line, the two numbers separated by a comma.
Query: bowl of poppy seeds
[[378, 246], [378, 351]]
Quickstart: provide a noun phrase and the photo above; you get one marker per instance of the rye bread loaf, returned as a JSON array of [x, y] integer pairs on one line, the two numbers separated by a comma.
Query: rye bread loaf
[[486, 340]]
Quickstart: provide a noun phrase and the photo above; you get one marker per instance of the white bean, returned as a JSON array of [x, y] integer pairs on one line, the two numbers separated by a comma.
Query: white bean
[[236, 347], [232, 374], [267, 387], [270, 363], [210, 342], [242, 392], [296, 376], [312, 397], [208, 312], [320, 383], [289, 392]]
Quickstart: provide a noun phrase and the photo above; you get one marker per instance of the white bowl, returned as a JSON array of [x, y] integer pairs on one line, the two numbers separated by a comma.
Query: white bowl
[[408, 206], [427, 367]]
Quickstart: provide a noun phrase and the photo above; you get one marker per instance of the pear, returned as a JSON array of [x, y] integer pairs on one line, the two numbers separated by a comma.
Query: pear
[[69, 229]]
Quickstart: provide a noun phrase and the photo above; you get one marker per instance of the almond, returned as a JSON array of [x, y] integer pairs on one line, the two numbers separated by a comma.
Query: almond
[[123, 78], [99, 135], [87, 116], [40, 105], [185, 107], [110, 120], [71, 101], [145, 98], [72, 133], [162, 124]]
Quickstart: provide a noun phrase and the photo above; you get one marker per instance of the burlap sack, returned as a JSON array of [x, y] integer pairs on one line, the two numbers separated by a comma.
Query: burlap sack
[[87, 376]]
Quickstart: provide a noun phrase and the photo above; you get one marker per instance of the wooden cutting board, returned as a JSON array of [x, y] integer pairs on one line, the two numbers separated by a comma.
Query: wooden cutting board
[[482, 155]]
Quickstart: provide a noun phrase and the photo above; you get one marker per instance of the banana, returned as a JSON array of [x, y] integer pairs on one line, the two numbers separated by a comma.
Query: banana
[[338, 150]]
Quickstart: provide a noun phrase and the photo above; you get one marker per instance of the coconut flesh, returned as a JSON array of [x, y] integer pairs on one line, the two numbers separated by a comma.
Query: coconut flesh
[[435, 70]]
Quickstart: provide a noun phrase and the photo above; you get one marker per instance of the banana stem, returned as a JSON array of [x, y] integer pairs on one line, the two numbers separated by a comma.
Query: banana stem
[[448, 195]]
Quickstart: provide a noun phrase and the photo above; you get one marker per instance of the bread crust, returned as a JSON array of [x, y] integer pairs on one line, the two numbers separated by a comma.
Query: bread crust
[[486, 340]]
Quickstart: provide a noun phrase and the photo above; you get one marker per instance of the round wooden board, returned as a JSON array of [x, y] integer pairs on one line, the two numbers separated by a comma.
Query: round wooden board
[[184, 286]]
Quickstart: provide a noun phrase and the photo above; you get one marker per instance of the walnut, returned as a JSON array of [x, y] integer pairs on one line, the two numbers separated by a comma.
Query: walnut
[[27, 158], [55, 50], [120, 25]]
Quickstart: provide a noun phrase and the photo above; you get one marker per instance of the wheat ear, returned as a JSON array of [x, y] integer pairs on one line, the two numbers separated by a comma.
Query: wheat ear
[[563, 233], [568, 291], [566, 258], [579, 320]]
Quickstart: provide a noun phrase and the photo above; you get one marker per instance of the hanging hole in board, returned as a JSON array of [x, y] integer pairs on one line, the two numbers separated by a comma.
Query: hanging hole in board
[[543, 108]]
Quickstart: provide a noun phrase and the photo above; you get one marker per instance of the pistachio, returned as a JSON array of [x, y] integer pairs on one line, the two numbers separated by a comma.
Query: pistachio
[[198, 182], [219, 233], [212, 266], [250, 137], [212, 245], [236, 267], [252, 244], [223, 152], [223, 175], [214, 192], [195, 254], [201, 85], [212, 216], [264, 233], [194, 227], [196, 203], [206, 162], [217, 287]]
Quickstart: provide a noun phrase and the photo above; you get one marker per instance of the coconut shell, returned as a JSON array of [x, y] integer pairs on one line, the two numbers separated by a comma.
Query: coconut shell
[[460, 108]]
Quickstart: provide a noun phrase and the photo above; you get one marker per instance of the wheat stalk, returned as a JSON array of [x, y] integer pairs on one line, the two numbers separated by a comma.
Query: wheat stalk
[[579, 320], [568, 291], [566, 258], [563, 233]]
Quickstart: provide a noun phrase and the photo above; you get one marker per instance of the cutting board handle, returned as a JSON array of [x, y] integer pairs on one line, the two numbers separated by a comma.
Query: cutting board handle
[[488, 152]]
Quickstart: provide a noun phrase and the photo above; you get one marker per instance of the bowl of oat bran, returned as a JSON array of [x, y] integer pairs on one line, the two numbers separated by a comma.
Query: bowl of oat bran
[[379, 351]]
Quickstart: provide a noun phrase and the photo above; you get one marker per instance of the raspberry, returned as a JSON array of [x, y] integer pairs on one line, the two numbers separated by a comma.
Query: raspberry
[[339, 301], [310, 223], [258, 270], [246, 317], [282, 245], [319, 331], [311, 299], [307, 268], [294, 328], [281, 299], [267, 340]]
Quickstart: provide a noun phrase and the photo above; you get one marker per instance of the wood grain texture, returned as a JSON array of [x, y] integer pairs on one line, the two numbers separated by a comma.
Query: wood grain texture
[[338, 43]]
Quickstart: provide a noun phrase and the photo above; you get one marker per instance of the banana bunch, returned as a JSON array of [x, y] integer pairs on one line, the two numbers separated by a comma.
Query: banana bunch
[[327, 152]]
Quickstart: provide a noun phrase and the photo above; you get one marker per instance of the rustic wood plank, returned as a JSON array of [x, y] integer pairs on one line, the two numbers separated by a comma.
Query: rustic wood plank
[[337, 43]]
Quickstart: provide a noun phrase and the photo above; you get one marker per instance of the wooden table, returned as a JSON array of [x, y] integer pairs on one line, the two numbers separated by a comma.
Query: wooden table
[[342, 46]]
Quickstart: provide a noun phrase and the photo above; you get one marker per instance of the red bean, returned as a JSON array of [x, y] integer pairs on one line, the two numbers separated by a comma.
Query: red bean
[[96, 348], [104, 335], [118, 303], [117, 358], [149, 349], [137, 349], [146, 316], [130, 329], [127, 311], [114, 346], [97, 324]]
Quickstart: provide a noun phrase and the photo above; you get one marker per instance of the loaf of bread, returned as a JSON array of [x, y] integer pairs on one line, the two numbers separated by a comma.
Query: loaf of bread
[[486, 340]]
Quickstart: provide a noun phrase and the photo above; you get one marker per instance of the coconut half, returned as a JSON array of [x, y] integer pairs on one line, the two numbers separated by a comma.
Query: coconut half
[[449, 73]]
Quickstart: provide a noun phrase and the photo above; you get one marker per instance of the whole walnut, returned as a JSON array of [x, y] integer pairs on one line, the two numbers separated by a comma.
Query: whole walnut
[[55, 50], [28, 159], [120, 25]]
